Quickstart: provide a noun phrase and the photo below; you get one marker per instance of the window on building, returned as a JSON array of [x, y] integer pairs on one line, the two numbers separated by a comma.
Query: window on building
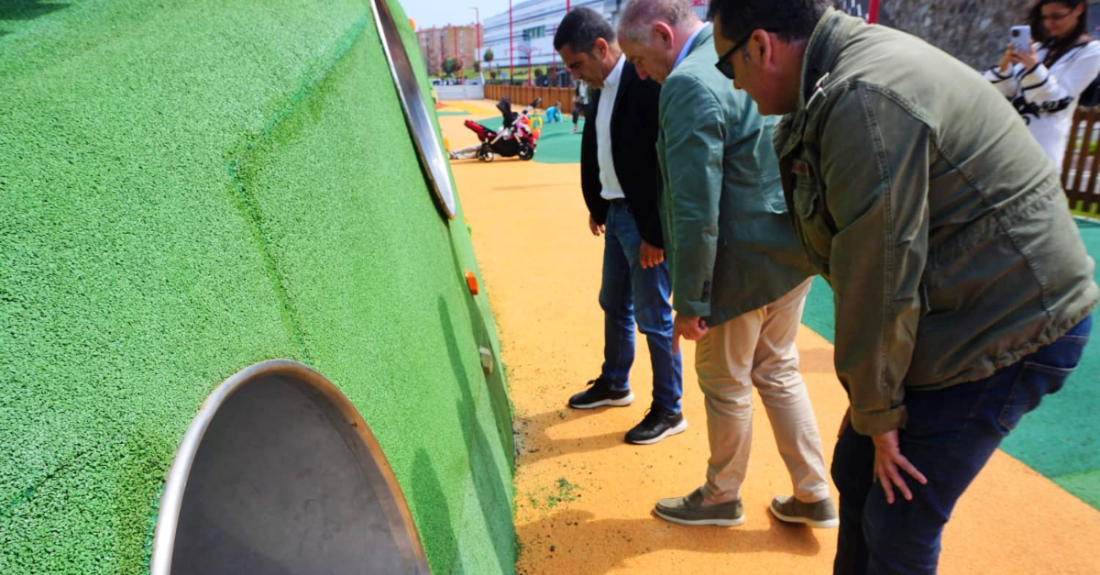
[[533, 33]]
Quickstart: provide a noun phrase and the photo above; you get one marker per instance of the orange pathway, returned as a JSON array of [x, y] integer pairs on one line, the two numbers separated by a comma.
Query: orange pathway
[[584, 498]]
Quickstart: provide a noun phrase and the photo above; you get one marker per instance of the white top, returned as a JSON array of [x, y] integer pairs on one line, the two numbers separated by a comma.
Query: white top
[[609, 181], [1046, 99]]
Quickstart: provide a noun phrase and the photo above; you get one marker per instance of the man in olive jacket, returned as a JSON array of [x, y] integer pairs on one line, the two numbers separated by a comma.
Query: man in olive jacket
[[963, 291], [739, 279]]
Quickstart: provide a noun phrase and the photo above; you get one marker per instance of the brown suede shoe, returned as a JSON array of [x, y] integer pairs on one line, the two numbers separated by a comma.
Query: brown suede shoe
[[821, 514], [691, 511]]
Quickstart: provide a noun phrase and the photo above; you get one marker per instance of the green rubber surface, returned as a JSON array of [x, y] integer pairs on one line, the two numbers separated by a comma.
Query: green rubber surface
[[1060, 439], [189, 188]]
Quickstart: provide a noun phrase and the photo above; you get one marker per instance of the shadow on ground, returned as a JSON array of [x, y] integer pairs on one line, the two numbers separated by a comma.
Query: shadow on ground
[[578, 544], [26, 10]]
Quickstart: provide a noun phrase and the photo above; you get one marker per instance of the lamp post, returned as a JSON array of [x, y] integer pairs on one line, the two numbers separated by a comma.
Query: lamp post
[[511, 64], [477, 36]]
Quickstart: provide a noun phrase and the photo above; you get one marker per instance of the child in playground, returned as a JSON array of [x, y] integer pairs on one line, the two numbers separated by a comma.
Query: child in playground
[[553, 113]]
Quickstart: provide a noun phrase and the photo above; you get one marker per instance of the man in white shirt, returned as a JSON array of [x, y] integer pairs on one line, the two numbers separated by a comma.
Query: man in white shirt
[[621, 186]]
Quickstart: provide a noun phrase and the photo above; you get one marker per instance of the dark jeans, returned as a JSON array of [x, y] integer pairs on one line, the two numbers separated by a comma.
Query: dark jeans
[[628, 294], [950, 435]]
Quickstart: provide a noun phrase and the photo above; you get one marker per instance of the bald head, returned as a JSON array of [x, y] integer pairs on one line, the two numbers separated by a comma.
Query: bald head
[[639, 16], [653, 32]]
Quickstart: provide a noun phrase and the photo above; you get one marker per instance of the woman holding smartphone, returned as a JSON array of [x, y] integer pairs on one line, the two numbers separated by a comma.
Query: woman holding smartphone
[[1044, 78]]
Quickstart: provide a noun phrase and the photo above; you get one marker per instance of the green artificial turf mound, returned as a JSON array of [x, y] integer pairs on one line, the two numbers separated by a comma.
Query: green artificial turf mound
[[191, 188]]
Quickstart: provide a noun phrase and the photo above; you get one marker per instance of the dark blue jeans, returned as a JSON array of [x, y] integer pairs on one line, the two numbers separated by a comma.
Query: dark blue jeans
[[628, 294], [950, 435]]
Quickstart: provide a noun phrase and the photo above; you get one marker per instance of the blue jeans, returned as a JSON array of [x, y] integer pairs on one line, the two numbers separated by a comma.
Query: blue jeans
[[628, 294], [950, 435]]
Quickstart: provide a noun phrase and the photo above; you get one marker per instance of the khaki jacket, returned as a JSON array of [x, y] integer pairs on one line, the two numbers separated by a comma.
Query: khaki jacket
[[729, 241], [920, 196]]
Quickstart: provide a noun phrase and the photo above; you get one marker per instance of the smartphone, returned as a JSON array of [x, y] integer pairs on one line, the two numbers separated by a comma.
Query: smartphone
[[1020, 36]]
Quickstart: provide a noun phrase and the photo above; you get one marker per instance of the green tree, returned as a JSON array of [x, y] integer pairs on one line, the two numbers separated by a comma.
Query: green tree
[[449, 66], [488, 56]]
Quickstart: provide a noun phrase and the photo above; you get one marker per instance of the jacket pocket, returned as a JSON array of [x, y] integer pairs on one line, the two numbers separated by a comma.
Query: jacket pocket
[[815, 226]]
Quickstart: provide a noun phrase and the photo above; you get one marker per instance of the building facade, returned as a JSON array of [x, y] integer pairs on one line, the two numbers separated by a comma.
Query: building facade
[[524, 38], [440, 43]]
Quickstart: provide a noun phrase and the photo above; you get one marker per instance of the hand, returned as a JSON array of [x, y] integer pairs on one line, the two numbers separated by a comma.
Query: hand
[[844, 423], [651, 255], [1007, 59], [1028, 59], [597, 229], [888, 459], [690, 327]]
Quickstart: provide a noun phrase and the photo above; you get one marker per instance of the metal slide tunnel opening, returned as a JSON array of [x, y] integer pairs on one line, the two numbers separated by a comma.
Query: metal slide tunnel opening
[[279, 474]]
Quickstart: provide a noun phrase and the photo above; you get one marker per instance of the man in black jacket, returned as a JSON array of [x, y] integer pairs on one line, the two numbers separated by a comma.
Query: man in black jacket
[[621, 187]]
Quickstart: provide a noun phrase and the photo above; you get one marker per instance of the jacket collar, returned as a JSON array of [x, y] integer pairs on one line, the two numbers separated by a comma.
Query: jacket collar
[[823, 48], [705, 33]]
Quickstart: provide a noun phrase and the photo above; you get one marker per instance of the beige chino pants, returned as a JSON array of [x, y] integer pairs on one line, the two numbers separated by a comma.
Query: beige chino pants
[[757, 349]]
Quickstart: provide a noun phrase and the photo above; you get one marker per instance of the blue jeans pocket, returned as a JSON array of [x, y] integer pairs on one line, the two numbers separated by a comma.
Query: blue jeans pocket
[[1033, 382]]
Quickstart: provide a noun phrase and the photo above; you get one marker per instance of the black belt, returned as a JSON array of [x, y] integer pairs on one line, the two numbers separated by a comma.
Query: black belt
[[618, 202]]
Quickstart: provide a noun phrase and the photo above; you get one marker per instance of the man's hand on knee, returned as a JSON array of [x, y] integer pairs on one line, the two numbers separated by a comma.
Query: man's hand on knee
[[888, 459]]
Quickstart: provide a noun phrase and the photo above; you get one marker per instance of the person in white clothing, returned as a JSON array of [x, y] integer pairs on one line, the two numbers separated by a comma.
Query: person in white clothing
[[1046, 82]]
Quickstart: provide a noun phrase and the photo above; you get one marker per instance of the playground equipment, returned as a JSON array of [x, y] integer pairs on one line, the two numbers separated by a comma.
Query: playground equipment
[[278, 469], [416, 112], [516, 137], [187, 198]]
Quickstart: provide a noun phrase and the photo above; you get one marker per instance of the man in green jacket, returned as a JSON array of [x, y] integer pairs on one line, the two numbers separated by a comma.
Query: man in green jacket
[[963, 292], [739, 279]]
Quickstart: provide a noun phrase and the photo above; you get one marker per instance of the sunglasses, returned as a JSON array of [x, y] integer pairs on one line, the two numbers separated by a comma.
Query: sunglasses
[[725, 64]]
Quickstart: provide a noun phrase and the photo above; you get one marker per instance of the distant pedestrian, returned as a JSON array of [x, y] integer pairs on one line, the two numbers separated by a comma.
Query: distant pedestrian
[[580, 98]]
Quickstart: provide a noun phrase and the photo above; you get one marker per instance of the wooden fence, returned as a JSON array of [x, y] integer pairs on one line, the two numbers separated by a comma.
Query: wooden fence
[[1080, 167], [523, 95]]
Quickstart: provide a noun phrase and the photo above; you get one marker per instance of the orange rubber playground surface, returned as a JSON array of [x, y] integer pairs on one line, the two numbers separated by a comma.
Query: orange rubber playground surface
[[584, 497]]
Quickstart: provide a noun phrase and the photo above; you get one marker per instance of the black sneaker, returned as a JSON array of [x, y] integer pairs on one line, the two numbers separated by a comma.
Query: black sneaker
[[657, 425], [600, 394]]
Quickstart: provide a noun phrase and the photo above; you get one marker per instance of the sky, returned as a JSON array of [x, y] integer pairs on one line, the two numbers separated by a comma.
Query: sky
[[428, 13]]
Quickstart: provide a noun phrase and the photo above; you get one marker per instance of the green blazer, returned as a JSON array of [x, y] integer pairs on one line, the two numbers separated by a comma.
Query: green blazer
[[728, 240]]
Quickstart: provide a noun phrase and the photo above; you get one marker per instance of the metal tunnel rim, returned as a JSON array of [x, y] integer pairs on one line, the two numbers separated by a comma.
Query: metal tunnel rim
[[416, 113], [171, 501]]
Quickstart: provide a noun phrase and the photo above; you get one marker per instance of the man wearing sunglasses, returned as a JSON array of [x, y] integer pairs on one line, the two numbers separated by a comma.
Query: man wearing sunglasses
[[739, 279], [963, 291]]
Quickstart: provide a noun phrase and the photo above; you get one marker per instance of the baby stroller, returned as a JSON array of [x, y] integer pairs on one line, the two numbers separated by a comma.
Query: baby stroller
[[515, 138]]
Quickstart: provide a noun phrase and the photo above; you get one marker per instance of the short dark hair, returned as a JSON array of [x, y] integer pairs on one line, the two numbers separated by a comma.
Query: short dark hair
[[580, 29], [791, 20]]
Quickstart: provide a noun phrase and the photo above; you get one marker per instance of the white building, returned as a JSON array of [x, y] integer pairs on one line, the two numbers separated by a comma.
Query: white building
[[533, 25]]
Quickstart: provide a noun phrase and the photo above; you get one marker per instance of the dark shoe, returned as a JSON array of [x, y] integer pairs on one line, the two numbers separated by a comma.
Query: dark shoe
[[691, 511], [821, 514], [657, 425], [600, 394]]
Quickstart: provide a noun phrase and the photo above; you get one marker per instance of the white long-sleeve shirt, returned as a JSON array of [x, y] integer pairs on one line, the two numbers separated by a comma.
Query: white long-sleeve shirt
[[1046, 98]]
